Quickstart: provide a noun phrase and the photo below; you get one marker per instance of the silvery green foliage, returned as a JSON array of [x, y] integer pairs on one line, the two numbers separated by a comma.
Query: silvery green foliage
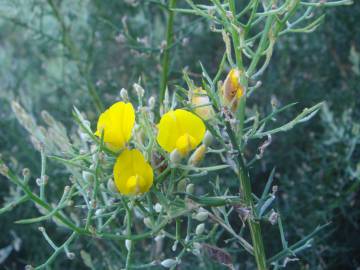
[[81, 207]]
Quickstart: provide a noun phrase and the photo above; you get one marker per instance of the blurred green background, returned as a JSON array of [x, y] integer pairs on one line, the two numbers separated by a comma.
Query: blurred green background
[[108, 45]]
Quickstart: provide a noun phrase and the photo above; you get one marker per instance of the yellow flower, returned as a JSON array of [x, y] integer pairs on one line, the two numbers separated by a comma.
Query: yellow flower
[[180, 130], [232, 90], [132, 174], [199, 98], [117, 123]]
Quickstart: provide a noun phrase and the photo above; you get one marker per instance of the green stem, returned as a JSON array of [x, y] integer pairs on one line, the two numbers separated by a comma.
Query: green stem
[[236, 37], [261, 46], [128, 231], [42, 175], [166, 57], [37, 200], [245, 185], [255, 230]]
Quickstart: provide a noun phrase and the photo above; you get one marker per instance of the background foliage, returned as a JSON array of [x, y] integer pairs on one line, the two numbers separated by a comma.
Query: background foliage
[[112, 44]]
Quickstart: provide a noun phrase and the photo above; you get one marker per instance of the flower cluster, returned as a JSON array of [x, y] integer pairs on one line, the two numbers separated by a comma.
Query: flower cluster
[[179, 132]]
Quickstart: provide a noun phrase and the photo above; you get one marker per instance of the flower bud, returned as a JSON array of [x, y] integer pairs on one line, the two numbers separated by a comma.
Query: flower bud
[[111, 186], [48, 119], [168, 263], [70, 255], [175, 156], [174, 246], [98, 212], [232, 90], [147, 222], [4, 170], [273, 217], [199, 99], [200, 229], [159, 237], [158, 207], [152, 102], [198, 155], [38, 181], [128, 244], [190, 188], [26, 172], [124, 94], [208, 138], [201, 216], [139, 90], [87, 176], [181, 186], [196, 249], [84, 137]]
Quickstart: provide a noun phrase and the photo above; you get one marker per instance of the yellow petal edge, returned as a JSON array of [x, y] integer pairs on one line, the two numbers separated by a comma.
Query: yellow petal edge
[[133, 175], [181, 130], [117, 123]]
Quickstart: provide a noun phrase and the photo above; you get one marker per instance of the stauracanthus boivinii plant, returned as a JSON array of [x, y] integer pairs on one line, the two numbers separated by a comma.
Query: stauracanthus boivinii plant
[[156, 179]]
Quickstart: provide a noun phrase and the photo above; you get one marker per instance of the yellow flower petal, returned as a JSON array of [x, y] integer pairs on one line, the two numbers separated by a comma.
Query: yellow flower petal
[[232, 90], [132, 174], [185, 144], [116, 123], [180, 130]]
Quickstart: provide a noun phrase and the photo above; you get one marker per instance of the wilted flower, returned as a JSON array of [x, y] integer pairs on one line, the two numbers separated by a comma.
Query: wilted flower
[[200, 100], [117, 123], [180, 130], [232, 90], [132, 174]]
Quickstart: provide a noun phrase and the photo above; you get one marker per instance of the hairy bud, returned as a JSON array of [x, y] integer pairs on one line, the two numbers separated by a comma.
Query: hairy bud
[[200, 229], [168, 263]]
